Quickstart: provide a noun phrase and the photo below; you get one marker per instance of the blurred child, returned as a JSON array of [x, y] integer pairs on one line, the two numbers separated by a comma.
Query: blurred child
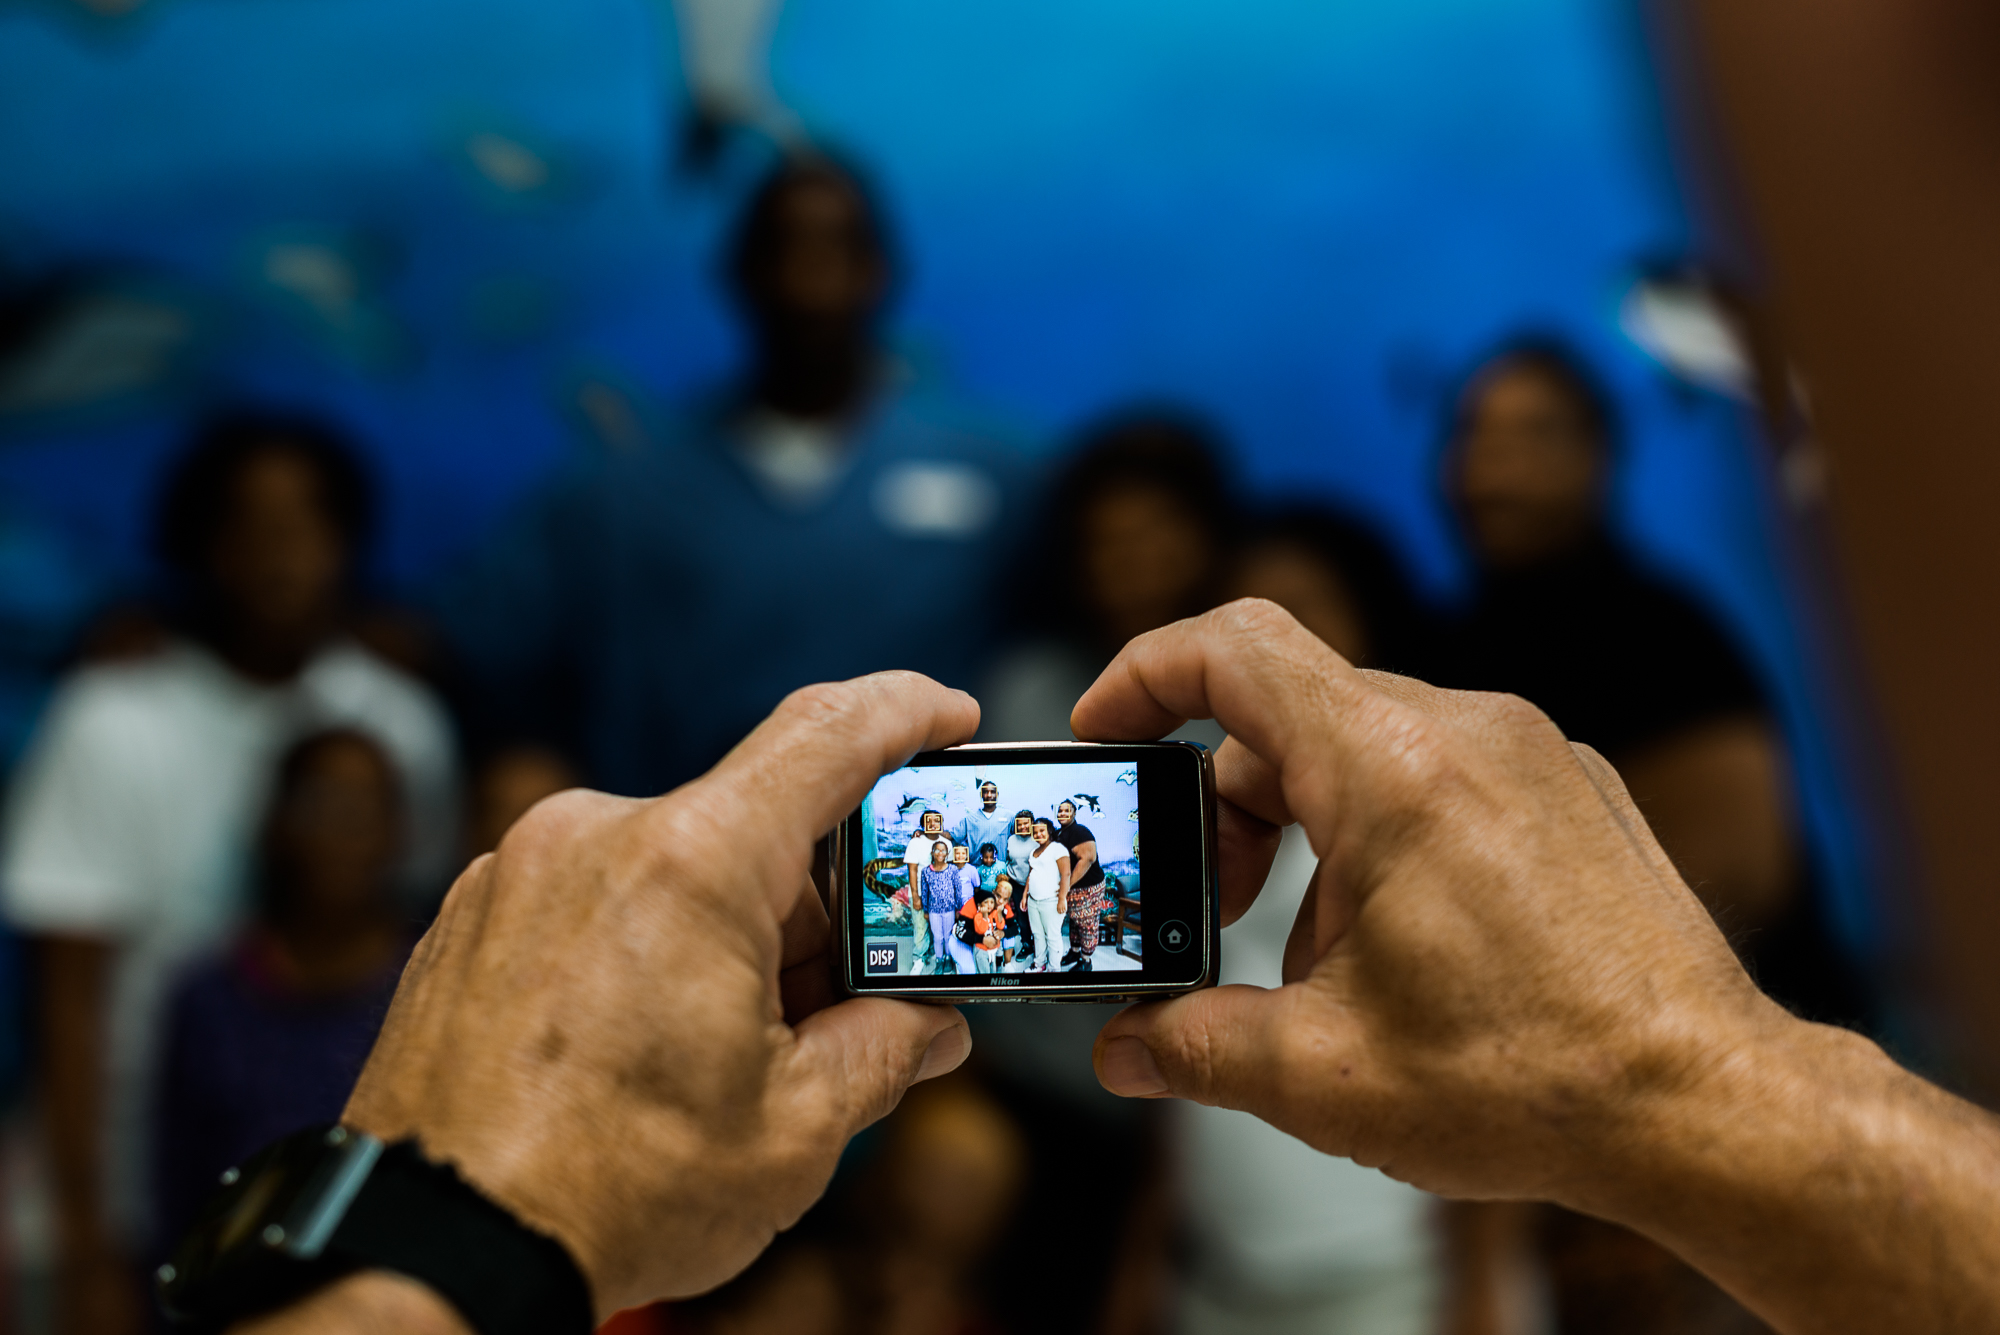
[[270, 1037], [506, 787], [932, 1208], [988, 866]]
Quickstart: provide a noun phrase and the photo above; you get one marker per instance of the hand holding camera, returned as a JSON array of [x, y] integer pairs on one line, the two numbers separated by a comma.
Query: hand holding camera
[[615, 967]]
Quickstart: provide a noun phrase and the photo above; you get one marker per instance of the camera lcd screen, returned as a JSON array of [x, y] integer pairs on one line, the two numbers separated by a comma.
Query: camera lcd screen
[[1060, 868]]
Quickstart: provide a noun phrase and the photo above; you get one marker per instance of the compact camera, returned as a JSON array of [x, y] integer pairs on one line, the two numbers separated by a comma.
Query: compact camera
[[1013, 872]]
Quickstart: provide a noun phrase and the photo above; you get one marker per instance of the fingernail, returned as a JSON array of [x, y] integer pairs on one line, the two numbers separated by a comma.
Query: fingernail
[[1127, 1069], [946, 1052]]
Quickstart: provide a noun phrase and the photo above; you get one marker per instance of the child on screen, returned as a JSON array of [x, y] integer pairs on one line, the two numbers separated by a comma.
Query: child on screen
[[979, 928]]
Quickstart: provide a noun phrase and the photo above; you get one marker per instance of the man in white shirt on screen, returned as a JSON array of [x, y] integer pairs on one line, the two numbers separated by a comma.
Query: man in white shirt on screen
[[930, 830]]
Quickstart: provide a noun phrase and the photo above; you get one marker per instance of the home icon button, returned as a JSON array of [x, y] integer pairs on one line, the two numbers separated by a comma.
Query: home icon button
[[1175, 936]]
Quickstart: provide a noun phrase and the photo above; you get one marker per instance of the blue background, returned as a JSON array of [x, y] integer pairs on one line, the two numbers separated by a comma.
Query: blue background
[[1304, 216]]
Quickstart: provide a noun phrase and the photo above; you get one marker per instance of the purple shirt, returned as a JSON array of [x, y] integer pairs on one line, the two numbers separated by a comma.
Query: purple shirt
[[247, 1061], [941, 889]]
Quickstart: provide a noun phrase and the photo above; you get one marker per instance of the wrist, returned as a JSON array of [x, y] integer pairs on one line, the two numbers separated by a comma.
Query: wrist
[[373, 1300], [1721, 1108]]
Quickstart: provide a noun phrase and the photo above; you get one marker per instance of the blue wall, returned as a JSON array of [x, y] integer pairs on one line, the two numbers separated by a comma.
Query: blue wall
[[1305, 217]]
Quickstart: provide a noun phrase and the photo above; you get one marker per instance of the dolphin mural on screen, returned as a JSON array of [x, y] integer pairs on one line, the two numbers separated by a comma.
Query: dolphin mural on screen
[[1087, 799]]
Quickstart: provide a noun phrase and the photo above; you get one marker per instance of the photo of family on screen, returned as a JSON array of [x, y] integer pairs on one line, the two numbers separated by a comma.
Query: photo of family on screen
[[1002, 869]]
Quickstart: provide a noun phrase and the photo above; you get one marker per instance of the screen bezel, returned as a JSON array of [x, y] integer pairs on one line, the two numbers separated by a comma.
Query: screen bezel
[[1172, 775]]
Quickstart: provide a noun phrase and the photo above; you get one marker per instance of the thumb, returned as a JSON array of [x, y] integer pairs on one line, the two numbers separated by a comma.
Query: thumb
[[1229, 1047], [856, 1059]]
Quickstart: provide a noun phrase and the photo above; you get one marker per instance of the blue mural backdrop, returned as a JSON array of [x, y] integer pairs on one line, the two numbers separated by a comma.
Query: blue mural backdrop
[[436, 221], [1106, 798]]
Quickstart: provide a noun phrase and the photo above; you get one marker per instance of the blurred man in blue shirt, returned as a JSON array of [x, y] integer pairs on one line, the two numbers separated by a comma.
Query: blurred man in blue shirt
[[657, 601]]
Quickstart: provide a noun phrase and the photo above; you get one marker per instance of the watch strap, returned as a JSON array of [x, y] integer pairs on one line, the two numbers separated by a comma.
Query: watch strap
[[421, 1219]]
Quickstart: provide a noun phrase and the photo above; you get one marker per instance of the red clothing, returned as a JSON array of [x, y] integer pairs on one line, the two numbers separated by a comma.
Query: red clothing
[[983, 923]]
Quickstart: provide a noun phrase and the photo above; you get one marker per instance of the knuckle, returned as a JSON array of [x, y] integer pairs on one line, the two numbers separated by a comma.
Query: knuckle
[[1188, 1054], [1425, 753], [554, 821], [1513, 714], [822, 703], [1253, 619]]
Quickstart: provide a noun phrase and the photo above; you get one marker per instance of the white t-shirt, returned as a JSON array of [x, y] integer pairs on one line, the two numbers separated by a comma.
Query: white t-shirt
[[918, 856], [1273, 1218], [1044, 873], [134, 818]]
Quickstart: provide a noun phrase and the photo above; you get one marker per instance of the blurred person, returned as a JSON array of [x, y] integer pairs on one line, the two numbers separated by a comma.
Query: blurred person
[[505, 787], [988, 866], [1131, 535], [655, 600], [795, 1288], [1134, 532], [1336, 576], [269, 1037], [1086, 887], [1626, 662], [132, 819], [1281, 1239], [935, 1207]]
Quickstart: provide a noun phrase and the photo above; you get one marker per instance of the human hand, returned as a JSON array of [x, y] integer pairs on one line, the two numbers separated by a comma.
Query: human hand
[[620, 1029], [1497, 977]]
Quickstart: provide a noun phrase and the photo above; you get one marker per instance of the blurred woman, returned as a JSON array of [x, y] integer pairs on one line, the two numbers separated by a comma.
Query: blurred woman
[[1132, 538], [271, 1036], [1280, 1238], [1566, 614]]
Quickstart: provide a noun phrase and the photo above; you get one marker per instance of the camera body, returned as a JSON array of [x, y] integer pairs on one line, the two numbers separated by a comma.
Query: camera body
[[1013, 872]]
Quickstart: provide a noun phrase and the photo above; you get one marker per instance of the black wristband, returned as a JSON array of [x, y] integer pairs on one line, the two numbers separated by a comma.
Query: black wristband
[[423, 1220]]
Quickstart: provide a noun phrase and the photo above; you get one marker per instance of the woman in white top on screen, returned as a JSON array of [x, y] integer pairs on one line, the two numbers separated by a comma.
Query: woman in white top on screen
[[1048, 896], [130, 823]]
